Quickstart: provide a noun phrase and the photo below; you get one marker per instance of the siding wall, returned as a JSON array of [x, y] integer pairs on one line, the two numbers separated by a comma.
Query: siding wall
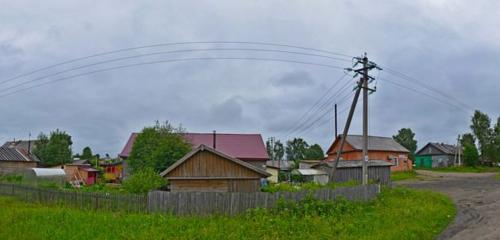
[[206, 171], [8, 167]]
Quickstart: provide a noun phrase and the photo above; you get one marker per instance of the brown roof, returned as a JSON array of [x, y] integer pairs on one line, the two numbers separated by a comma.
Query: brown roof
[[375, 143], [203, 147]]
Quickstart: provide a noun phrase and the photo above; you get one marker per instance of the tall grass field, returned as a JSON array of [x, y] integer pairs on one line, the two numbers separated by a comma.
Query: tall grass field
[[398, 213]]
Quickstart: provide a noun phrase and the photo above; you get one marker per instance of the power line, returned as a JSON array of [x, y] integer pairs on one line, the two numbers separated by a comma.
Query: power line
[[170, 61], [166, 52], [169, 44], [423, 93]]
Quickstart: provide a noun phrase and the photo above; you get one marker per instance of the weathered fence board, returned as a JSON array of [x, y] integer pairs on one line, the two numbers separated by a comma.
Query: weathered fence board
[[231, 203], [181, 203]]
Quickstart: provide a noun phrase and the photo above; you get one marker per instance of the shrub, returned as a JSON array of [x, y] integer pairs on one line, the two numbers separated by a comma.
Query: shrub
[[143, 181], [11, 178]]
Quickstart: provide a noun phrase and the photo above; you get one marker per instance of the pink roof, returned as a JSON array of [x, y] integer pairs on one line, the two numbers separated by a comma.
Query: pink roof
[[240, 146]]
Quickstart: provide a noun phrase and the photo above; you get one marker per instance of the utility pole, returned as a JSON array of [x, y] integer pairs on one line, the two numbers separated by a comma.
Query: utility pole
[[364, 80], [459, 150], [362, 84], [336, 134]]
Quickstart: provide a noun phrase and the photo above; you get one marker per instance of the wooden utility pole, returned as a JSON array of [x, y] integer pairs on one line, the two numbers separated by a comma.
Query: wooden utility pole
[[336, 134], [364, 80], [362, 84]]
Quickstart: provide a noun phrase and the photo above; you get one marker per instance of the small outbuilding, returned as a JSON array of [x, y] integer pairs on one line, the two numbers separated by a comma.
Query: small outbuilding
[[78, 174], [207, 170], [312, 175], [38, 175], [437, 155], [379, 171]]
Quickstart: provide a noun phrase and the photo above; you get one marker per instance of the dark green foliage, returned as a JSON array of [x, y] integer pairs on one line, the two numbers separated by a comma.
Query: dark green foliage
[[276, 151], [55, 149], [481, 128], [406, 138], [296, 149], [314, 152], [11, 178], [143, 181], [468, 138], [471, 155], [87, 154], [158, 147]]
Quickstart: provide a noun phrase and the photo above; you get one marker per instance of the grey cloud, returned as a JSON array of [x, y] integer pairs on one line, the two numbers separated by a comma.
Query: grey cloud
[[295, 79]]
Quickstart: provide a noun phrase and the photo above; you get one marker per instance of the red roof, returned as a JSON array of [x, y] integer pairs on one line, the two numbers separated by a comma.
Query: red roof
[[241, 146]]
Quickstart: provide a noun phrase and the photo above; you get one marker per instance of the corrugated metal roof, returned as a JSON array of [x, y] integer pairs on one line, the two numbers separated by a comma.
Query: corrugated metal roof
[[11, 154], [311, 171], [240, 146]]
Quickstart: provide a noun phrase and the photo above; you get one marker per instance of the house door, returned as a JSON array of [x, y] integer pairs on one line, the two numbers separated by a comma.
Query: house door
[[91, 178]]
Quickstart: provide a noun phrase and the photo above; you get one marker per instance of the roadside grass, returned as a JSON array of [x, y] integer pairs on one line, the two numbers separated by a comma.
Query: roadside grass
[[295, 187], [497, 176], [398, 213], [465, 169], [404, 175]]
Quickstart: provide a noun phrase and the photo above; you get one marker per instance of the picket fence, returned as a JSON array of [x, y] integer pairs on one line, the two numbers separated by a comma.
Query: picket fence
[[181, 203]]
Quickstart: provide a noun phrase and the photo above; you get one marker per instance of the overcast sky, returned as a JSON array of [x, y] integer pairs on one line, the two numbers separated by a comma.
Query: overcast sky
[[449, 46]]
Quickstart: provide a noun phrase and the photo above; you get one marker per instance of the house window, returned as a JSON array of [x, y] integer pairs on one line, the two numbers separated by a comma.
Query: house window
[[394, 160]]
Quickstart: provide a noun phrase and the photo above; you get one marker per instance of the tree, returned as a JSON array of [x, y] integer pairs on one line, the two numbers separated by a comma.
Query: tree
[[471, 155], [481, 128], [157, 147], [496, 140], [86, 153], [296, 150], [406, 138], [315, 152], [275, 152], [279, 150], [468, 138], [143, 181], [55, 149]]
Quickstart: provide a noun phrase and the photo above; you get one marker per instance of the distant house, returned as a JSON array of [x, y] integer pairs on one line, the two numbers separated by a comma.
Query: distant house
[[379, 148], [113, 171], [209, 170], [436, 155], [78, 174], [275, 168], [14, 160], [245, 147], [24, 145]]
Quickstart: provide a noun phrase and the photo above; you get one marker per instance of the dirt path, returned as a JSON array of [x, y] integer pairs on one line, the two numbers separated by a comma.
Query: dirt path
[[477, 197]]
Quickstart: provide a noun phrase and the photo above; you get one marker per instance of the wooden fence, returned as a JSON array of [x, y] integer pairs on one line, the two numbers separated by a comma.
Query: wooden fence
[[230, 203], [81, 200], [180, 203]]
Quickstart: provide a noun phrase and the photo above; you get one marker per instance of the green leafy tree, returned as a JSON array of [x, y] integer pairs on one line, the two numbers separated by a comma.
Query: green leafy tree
[[296, 150], [275, 152], [315, 152], [157, 147], [468, 138], [471, 155], [55, 149], [143, 181], [496, 140], [279, 150], [481, 128], [87, 153], [406, 138]]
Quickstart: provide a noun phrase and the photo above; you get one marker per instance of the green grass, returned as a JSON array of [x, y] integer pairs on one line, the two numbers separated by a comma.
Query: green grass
[[404, 175], [497, 176], [398, 213], [465, 169], [295, 187]]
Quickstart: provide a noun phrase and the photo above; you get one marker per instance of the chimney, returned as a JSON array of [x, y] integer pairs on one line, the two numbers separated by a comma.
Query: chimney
[[214, 140]]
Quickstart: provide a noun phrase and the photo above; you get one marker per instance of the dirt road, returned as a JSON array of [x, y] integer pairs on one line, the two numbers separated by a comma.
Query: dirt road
[[477, 197]]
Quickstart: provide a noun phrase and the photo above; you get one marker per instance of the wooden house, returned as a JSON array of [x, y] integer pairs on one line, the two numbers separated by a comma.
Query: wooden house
[[249, 148], [113, 172], [437, 155], [13, 160], [379, 148], [275, 168], [78, 174], [208, 170]]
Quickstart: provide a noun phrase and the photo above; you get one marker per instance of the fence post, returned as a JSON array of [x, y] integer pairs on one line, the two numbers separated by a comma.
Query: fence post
[[96, 201]]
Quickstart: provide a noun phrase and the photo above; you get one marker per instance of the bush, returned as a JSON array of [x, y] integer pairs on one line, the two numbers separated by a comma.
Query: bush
[[11, 178], [144, 181]]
